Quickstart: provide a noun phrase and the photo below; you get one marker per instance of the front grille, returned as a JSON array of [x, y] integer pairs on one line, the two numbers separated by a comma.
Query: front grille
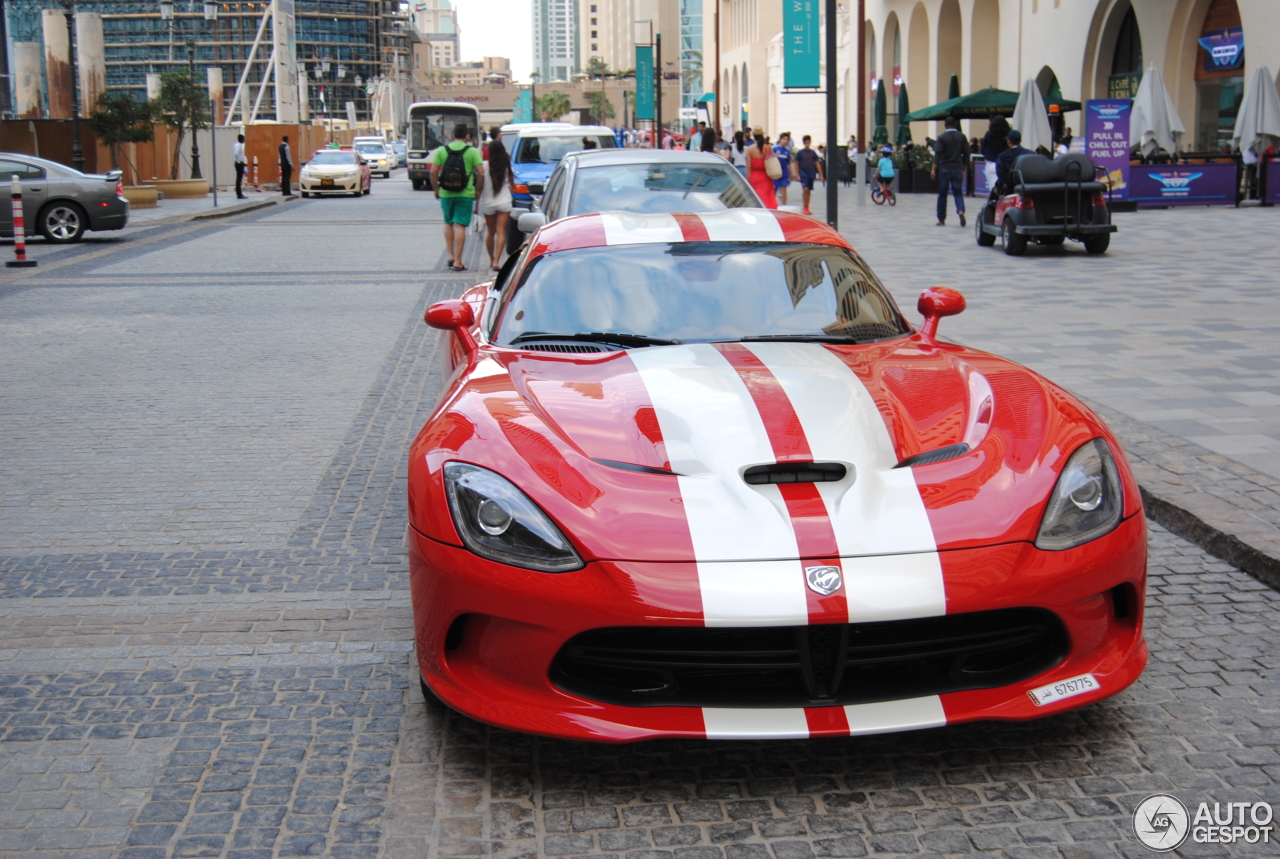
[[809, 666]]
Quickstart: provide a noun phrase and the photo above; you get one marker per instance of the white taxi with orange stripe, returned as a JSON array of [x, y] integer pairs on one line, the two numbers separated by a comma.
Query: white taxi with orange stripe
[[698, 476]]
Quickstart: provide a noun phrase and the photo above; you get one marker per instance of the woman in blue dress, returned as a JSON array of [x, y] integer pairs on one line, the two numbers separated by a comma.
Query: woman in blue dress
[[783, 150]]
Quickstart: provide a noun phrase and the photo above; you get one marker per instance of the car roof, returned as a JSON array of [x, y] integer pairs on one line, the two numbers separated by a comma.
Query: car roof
[[605, 229], [602, 157], [557, 129]]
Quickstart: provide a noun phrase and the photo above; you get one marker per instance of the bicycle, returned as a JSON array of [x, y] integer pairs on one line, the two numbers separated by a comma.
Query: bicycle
[[883, 191]]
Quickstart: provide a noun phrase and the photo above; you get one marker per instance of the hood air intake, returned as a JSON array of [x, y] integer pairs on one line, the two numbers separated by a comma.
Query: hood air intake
[[794, 472], [951, 451]]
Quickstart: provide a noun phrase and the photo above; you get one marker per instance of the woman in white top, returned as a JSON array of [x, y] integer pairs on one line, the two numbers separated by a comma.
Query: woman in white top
[[737, 152], [495, 201]]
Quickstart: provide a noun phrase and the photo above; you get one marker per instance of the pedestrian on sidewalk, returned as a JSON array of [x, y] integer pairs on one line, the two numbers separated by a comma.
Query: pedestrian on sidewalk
[[237, 156], [286, 167], [456, 168], [808, 168], [495, 200], [993, 146], [783, 152], [950, 160], [737, 153], [757, 173]]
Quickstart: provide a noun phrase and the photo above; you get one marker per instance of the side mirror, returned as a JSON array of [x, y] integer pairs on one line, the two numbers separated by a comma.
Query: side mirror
[[537, 188], [935, 303], [531, 222], [457, 316]]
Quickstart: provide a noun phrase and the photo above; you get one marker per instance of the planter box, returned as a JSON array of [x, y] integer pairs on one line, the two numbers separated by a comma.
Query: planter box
[[922, 184], [176, 189], [142, 196]]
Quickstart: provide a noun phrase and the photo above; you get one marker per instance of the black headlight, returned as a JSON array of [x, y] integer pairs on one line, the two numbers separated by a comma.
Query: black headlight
[[497, 521], [1087, 501]]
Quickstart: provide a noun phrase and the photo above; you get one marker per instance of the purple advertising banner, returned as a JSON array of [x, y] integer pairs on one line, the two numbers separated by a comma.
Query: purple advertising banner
[[1183, 184], [1273, 180], [980, 184], [1106, 135]]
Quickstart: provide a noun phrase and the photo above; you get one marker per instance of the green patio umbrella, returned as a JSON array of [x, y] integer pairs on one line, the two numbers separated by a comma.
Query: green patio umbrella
[[953, 91], [904, 110], [881, 135], [983, 104]]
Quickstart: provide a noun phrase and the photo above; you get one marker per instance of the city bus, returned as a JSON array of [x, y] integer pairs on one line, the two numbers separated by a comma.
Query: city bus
[[431, 125]]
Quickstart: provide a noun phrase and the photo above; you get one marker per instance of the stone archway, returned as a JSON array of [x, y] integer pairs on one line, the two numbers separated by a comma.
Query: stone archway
[[919, 55], [1115, 35], [950, 47], [984, 45]]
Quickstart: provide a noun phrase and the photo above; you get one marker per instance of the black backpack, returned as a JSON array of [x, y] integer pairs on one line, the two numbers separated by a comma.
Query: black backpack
[[454, 175]]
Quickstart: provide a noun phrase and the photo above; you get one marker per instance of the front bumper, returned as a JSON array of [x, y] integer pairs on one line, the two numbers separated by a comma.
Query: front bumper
[[493, 664], [339, 186]]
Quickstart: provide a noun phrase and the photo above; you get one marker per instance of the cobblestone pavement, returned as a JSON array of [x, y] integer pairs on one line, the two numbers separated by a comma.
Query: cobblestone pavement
[[258, 698]]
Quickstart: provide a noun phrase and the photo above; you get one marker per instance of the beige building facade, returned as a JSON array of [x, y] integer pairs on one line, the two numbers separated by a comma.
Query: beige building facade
[[1086, 48]]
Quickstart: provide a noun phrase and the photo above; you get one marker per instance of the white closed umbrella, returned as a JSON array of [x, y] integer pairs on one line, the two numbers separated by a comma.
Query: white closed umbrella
[[1031, 118], [1153, 120], [1258, 123]]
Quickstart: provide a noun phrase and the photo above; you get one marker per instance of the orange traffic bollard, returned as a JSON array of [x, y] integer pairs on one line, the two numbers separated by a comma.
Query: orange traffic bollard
[[19, 240]]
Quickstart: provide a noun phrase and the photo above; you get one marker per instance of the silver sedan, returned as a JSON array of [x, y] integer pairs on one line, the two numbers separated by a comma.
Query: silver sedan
[[61, 203]]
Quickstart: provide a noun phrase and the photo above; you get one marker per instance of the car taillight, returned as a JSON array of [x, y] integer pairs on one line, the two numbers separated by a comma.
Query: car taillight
[[522, 189], [1022, 202], [119, 189], [1099, 199]]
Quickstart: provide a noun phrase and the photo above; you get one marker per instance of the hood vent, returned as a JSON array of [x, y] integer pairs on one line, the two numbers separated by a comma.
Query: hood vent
[[951, 451], [565, 347], [794, 472]]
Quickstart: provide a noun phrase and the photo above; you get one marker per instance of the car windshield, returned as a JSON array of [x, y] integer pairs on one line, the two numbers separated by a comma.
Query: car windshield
[[702, 291], [371, 148], [549, 150], [333, 157], [660, 188]]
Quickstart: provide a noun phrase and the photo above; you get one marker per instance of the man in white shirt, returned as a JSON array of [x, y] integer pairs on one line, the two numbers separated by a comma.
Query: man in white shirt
[[237, 155]]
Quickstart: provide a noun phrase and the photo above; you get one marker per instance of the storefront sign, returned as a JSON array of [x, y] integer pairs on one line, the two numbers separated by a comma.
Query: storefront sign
[[1124, 86], [1183, 184], [644, 82], [1224, 49], [1106, 135], [801, 68]]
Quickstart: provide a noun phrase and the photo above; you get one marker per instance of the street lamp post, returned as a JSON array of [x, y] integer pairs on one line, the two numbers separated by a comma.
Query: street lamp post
[[77, 151]]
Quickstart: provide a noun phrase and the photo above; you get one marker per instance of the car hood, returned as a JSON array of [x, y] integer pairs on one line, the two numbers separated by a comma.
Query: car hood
[[526, 173], [641, 455], [331, 169]]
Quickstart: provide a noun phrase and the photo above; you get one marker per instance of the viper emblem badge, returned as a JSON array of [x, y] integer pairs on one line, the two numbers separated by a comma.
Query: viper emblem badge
[[823, 580]]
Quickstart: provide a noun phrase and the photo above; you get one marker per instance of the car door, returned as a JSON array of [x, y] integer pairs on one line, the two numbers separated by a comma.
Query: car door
[[35, 191], [552, 204]]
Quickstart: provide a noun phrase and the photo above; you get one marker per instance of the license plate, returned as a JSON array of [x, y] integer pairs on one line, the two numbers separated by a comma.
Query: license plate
[[326, 181], [1068, 688]]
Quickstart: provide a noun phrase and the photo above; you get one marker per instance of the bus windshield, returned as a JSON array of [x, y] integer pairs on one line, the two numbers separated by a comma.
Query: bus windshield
[[431, 127]]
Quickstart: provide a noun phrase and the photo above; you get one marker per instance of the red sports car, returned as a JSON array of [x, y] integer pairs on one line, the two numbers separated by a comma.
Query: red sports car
[[697, 476]]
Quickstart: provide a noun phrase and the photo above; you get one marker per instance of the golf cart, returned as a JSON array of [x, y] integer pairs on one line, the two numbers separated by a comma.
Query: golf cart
[[1048, 202]]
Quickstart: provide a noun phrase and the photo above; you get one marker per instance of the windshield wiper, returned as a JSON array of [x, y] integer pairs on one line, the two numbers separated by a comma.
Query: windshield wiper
[[696, 183], [797, 338], [598, 337]]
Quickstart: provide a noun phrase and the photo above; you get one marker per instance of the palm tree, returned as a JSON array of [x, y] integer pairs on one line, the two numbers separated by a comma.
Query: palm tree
[[601, 108], [553, 105], [691, 70], [597, 69]]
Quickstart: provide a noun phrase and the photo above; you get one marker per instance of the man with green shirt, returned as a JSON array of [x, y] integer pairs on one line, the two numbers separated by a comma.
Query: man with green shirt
[[455, 180]]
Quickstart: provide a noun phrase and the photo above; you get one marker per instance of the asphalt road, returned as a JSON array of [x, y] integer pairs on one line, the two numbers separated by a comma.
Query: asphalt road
[[206, 646]]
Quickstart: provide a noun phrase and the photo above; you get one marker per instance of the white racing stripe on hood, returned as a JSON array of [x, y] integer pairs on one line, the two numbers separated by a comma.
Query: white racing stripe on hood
[[623, 229], [743, 225], [882, 529], [711, 429], [888, 716]]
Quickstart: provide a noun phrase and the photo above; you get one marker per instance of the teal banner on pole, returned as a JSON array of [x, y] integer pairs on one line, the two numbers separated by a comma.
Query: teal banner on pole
[[644, 82], [524, 107], [801, 59]]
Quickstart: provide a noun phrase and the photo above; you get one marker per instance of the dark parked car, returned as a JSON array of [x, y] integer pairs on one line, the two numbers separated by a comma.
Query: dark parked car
[[59, 202]]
